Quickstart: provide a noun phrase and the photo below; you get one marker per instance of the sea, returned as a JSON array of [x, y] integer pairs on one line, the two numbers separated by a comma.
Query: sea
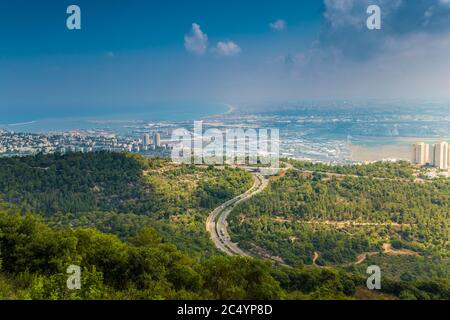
[[117, 119]]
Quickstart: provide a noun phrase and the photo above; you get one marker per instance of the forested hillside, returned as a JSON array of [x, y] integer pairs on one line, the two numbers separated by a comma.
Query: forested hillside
[[34, 259], [136, 227], [393, 170], [337, 220], [119, 193], [121, 182]]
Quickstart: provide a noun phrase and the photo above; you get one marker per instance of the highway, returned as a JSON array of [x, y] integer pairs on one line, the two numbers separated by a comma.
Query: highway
[[217, 225]]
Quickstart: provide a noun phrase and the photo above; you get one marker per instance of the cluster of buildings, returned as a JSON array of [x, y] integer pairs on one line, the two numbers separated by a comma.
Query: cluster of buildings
[[146, 141], [436, 155], [22, 144]]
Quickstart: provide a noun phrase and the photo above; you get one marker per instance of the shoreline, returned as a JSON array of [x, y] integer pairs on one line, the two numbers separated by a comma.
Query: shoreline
[[230, 110], [65, 124]]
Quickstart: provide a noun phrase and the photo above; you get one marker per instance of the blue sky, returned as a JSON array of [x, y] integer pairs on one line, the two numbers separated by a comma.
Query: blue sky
[[135, 54], [133, 24]]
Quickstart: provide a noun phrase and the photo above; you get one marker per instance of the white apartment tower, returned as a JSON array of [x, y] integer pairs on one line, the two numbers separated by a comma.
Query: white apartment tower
[[157, 140], [441, 155], [448, 158], [421, 153], [146, 139]]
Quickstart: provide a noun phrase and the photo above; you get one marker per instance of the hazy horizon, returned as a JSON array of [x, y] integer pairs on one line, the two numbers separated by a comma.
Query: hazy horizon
[[135, 54]]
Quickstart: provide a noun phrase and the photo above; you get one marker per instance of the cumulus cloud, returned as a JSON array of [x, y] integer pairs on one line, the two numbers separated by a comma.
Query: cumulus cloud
[[228, 48], [278, 25], [196, 41]]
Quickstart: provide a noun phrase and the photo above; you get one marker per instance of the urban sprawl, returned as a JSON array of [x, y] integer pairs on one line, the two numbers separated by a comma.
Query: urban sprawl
[[22, 144]]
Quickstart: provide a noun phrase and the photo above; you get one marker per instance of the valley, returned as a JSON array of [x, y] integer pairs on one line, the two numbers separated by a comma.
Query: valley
[[218, 233]]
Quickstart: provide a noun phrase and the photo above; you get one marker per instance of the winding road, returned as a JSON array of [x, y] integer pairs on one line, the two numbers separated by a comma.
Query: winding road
[[217, 225]]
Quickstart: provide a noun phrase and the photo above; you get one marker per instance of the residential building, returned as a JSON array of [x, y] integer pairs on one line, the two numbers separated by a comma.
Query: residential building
[[421, 153]]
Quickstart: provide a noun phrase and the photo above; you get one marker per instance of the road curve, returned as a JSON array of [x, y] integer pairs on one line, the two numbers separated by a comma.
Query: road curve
[[216, 223]]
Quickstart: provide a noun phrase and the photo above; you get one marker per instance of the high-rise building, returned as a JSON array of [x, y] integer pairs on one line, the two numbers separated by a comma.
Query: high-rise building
[[448, 158], [157, 139], [440, 155], [421, 153], [146, 139]]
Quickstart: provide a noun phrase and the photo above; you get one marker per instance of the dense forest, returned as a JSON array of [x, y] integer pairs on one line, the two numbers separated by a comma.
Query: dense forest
[[120, 192], [337, 218], [34, 258], [136, 227], [121, 182]]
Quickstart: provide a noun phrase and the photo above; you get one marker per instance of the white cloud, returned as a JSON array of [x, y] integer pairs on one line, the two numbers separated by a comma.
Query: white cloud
[[196, 41], [227, 49], [278, 25]]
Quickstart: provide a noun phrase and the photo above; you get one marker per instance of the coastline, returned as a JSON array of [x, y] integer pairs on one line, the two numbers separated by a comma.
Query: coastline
[[173, 113], [230, 110]]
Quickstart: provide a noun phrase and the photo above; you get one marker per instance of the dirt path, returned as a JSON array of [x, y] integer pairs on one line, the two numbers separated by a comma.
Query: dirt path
[[346, 223], [342, 176], [387, 249], [315, 257], [363, 256]]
